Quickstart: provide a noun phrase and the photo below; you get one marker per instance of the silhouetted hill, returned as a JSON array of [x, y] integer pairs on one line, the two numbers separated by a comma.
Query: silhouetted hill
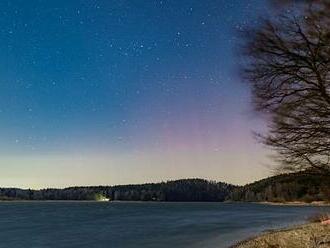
[[301, 186], [178, 190], [281, 188]]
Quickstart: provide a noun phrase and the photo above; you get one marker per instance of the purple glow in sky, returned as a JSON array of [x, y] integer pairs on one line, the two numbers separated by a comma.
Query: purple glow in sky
[[118, 92]]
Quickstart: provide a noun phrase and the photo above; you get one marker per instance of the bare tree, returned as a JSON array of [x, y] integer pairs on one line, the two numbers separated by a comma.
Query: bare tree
[[287, 63]]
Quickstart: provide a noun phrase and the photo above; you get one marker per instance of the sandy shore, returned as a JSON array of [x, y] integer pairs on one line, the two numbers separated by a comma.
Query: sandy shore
[[305, 236]]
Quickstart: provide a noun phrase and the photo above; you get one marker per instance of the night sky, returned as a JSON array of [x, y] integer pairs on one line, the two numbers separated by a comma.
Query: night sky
[[115, 92]]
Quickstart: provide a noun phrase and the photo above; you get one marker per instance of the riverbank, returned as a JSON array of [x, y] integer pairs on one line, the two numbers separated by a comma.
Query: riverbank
[[304, 236], [297, 203]]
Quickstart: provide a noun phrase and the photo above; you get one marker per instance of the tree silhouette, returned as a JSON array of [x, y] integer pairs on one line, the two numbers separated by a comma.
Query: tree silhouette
[[287, 63]]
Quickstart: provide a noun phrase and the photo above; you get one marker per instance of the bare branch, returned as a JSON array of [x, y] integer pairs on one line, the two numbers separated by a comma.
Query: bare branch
[[288, 68]]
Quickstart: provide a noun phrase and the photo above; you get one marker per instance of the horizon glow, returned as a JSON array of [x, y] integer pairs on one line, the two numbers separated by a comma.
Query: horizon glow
[[119, 92]]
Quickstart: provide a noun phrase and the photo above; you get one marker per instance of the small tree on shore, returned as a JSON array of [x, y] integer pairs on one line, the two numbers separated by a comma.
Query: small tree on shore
[[287, 63]]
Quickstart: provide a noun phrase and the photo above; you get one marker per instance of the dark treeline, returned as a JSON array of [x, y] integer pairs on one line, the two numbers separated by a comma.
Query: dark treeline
[[179, 190], [282, 188]]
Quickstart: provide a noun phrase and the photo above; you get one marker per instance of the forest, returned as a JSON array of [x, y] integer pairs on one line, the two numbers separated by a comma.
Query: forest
[[300, 186], [179, 190]]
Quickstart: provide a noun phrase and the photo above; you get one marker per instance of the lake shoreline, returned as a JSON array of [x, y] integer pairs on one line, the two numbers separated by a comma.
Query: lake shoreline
[[302, 236], [290, 203], [296, 203]]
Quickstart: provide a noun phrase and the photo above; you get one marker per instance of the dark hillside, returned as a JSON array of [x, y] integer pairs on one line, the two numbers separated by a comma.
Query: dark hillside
[[306, 187], [281, 188], [179, 190]]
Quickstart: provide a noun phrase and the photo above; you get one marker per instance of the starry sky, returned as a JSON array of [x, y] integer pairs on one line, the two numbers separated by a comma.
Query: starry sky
[[128, 91]]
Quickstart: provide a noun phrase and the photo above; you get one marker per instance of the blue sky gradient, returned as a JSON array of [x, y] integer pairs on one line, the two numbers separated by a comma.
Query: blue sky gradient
[[90, 80]]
